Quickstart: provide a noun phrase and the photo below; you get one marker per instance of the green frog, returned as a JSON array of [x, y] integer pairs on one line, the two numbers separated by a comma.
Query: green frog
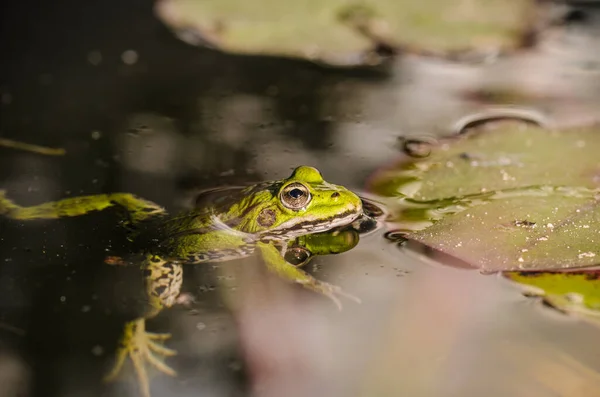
[[286, 221]]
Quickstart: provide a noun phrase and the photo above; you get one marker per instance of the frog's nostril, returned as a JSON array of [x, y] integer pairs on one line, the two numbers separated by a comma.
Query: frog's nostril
[[335, 195]]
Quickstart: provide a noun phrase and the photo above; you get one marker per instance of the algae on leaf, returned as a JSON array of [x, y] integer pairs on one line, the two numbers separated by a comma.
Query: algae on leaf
[[517, 198], [345, 32]]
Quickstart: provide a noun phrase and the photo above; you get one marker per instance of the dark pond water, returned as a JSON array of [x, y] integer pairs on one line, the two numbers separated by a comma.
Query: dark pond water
[[139, 111]]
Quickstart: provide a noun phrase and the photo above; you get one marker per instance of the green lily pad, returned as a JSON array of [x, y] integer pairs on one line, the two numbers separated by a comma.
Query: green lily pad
[[571, 292], [516, 198], [345, 32]]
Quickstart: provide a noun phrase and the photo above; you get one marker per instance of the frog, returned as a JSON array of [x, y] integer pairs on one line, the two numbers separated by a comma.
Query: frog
[[274, 219]]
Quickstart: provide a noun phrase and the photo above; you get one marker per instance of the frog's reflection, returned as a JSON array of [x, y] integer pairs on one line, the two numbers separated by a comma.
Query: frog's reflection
[[288, 222]]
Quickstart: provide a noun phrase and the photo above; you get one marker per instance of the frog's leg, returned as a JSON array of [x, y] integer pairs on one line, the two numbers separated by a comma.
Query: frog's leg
[[137, 208], [277, 264], [163, 284]]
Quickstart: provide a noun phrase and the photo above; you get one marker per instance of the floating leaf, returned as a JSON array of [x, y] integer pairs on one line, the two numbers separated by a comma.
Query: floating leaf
[[345, 32], [510, 199], [572, 292]]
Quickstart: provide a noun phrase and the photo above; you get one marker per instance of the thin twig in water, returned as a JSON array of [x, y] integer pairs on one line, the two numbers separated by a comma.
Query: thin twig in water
[[32, 148]]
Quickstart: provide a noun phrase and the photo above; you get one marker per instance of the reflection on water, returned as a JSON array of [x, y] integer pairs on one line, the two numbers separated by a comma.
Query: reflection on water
[[184, 118]]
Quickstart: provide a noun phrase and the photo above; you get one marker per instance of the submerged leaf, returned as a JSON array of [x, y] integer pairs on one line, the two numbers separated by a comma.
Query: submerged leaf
[[510, 199], [572, 292]]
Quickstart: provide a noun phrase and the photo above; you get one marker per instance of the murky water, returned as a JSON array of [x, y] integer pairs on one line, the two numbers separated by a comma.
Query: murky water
[[167, 119]]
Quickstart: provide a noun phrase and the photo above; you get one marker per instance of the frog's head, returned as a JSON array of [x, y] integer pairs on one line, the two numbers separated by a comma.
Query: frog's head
[[302, 204]]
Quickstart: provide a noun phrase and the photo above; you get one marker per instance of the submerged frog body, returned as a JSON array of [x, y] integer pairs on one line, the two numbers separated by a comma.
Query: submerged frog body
[[268, 218]]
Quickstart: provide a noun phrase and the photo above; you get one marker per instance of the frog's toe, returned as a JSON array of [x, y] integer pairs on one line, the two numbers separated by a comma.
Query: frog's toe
[[116, 369], [143, 349], [160, 364], [156, 336], [332, 292], [160, 349], [351, 297], [335, 300]]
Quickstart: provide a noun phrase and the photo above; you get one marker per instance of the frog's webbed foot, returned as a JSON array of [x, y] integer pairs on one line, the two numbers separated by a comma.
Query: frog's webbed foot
[[277, 264], [329, 290], [141, 347]]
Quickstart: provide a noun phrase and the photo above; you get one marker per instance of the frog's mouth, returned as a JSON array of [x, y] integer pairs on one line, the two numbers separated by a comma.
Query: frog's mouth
[[289, 229]]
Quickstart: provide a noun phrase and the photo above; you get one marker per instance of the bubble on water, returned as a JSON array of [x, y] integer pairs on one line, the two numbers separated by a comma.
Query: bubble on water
[[491, 118], [94, 57], [97, 350], [200, 326], [129, 57], [396, 236], [417, 147]]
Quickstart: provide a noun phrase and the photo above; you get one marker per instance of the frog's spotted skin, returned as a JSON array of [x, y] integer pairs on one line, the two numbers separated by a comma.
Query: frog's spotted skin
[[229, 224]]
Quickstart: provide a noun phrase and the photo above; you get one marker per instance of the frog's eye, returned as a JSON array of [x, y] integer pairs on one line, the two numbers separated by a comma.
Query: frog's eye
[[295, 196]]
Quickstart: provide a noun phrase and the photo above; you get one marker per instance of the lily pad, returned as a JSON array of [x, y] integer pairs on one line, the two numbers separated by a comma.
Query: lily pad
[[571, 292], [516, 198], [346, 32]]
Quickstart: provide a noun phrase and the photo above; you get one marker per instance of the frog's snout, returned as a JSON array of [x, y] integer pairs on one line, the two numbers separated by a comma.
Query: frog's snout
[[359, 204], [345, 197], [355, 200]]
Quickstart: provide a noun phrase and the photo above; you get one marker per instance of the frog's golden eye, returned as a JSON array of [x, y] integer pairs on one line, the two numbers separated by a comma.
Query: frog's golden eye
[[295, 196]]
